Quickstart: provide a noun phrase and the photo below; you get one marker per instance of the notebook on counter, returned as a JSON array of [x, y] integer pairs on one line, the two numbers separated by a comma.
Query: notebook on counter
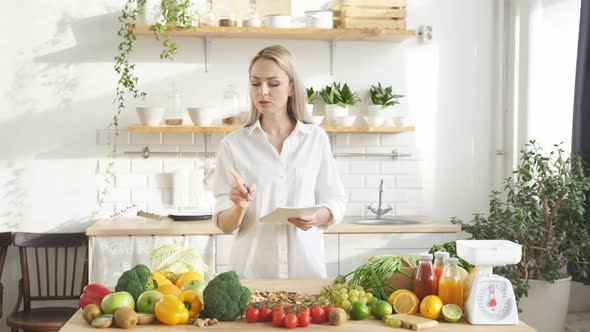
[[282, 214]]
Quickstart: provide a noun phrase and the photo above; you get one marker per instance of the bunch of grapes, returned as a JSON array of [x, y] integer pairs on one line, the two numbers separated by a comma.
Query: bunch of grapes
[[343, 295]]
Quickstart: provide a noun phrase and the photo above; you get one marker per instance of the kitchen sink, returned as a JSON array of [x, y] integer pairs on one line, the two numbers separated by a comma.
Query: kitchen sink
[[392, 220]]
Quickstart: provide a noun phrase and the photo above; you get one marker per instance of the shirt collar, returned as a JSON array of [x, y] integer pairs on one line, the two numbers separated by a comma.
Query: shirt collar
[[301, 127]]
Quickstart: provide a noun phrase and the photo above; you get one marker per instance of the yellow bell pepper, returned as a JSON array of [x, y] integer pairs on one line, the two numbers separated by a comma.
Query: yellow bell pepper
[[192, 302], [171, 311], [160, 279], [187, 276]]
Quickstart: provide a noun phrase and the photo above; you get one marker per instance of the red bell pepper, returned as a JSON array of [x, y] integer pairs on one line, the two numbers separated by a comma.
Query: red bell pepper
[[93, 293]]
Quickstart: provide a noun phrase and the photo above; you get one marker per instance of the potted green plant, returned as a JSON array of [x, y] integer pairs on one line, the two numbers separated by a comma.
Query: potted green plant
[[338, 98], [311, 96], [542, 208], [384, 100]]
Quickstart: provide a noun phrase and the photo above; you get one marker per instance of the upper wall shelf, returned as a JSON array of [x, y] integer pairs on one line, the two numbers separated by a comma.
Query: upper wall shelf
[[369, 34], [227, 129]]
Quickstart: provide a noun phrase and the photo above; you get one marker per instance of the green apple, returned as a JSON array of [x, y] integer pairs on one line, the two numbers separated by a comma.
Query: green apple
[[116, 300], [196, 285], [147, 301]]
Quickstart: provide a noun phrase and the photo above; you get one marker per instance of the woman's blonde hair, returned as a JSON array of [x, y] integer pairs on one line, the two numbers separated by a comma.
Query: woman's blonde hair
[[296, 105]]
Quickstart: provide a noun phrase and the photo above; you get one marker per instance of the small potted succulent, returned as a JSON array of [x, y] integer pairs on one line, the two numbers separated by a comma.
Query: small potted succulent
[[383, 101], [338, 98], [311, 96]]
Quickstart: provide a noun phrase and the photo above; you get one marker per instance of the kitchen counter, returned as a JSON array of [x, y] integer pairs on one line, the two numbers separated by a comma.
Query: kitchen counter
[[132, 225], [77, 323]]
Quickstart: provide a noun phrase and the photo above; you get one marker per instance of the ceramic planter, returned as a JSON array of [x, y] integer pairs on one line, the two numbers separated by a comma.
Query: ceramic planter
[[333, 111], [547, 304]]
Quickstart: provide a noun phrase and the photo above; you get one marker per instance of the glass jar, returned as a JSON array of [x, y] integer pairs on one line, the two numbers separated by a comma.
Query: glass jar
[[425, 281], [439, 257], [228, 19], [174, 107], [208, 18], [252, 20], [450, 286], [231, 103]]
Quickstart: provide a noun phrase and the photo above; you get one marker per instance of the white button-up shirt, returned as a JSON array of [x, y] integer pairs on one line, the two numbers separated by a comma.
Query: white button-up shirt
[[304, 174]]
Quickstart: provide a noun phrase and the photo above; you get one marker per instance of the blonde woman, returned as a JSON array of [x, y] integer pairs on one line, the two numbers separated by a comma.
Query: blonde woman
[[278, 159]]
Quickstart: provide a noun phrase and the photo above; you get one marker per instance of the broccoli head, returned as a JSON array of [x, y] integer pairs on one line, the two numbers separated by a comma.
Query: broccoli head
[[225, 298], [136, 281]]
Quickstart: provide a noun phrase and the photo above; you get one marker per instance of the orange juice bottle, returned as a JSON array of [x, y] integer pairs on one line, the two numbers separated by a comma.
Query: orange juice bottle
[[450, 286], [439, 256]]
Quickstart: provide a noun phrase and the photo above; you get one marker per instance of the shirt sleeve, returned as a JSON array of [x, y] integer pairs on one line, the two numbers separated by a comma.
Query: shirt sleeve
[[222, 180], [329, 190]]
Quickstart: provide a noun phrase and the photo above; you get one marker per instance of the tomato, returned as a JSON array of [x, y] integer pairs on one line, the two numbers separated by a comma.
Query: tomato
[[303, 318], [290, 321], [277, 307], [318, 315], [252, 315], [327, 310], [265, 314], [278, 318]]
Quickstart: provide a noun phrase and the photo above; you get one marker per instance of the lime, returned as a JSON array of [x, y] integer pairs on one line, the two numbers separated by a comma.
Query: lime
[[452, 313], [358, 311], [381, 309]]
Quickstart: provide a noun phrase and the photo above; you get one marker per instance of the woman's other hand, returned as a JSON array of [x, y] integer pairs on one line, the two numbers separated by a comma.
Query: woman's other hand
[[303, 223], [239, 192]]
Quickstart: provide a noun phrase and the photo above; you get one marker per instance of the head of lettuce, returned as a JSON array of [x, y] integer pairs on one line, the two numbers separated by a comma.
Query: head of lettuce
[[172, 260]]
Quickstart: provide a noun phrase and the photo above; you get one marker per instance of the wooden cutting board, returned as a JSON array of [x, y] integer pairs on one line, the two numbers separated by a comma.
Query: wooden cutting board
[[414, 322]]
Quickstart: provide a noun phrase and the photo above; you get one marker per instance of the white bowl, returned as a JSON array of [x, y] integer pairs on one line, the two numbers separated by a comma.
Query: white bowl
[[277, 21], [344, 121], [150, 116], [202, 116], [373, 120], [317, 119], [320, 19]]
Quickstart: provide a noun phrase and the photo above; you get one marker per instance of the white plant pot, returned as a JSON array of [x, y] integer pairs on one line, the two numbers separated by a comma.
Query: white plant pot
[[333, 111], [385, 113], [547, 304], [309, 109]]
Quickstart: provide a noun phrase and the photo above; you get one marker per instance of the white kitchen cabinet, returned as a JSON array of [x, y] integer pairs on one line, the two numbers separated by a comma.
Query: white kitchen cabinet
[[354, 249]]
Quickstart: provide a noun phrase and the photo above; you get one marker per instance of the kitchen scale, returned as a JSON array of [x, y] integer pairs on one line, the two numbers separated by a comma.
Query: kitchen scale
[[491, 299]]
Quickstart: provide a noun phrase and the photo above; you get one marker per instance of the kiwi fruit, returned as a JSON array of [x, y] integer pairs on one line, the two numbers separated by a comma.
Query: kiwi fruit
[[125, 318], [90, 312], [145, 318], [102, 322], [338, 317]]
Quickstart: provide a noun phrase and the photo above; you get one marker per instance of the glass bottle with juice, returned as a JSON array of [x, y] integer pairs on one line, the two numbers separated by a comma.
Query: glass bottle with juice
[[439, 257], [450, 286], [425, 281]]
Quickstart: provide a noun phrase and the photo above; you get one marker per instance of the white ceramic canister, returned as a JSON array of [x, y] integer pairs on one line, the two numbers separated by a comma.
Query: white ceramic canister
[[277, 21], [320, 19]]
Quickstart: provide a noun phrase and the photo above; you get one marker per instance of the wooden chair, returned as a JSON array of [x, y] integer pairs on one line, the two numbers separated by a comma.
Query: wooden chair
[[53, 248], [5, 241]]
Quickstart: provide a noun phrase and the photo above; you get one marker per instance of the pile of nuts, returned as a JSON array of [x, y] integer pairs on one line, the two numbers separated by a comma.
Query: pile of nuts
[[282, 297], [205, 322]]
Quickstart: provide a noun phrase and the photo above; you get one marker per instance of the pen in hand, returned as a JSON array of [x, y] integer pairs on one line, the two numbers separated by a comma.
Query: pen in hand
[[245, 185]]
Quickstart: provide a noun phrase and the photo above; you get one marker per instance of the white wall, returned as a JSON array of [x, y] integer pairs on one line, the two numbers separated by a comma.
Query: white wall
[[58, 85]]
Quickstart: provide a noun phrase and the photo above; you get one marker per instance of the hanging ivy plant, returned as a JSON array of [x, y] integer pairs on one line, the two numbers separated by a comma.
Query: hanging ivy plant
[[174, 13]]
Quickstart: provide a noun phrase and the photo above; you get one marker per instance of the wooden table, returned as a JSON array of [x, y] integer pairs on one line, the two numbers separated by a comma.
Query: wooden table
[[77, 323]]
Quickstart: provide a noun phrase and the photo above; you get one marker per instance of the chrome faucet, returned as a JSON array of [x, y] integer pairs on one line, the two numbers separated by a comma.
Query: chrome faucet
[[379, 212]]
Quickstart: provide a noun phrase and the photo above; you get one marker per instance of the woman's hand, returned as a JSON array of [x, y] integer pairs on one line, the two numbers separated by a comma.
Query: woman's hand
[[304, 223], [239, 192]]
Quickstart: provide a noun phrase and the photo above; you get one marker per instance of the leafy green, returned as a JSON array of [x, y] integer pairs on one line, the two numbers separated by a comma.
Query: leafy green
[[383, 96], [170, 258], [336, 94], [451, 248], [136, 281], [225, 298], [311, 95]]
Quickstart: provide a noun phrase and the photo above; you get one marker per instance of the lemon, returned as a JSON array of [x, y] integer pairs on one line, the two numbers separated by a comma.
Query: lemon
[[431, 307], [406, 303], [452, 313], [396, 294]]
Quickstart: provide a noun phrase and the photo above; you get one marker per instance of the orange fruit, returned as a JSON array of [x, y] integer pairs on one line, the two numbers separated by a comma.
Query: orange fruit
[[431, 307], [160, 279], [406, 303], [396, 294], [192, 275], [169, 289]]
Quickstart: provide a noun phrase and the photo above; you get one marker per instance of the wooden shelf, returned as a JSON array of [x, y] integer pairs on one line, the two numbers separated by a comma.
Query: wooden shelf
[[227, 129], [368, 34]]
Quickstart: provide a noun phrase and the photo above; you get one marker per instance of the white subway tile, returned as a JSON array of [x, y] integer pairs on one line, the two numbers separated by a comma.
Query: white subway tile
[[102, 137], [398, 139], [415, 196], [409, 209], [214, 140], [343, 166], [354, 181], [119, 165], [199, 139], [146, 138], [146, 196], [363, 139], [341, 140], [355, 209], [134, 181], [363, 195], [373, 181], [395, 196], [117, 195], [364, 167], [402, 167], [146, 166], [177, 138], [408, 182], [170, 165], [160, 180]]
